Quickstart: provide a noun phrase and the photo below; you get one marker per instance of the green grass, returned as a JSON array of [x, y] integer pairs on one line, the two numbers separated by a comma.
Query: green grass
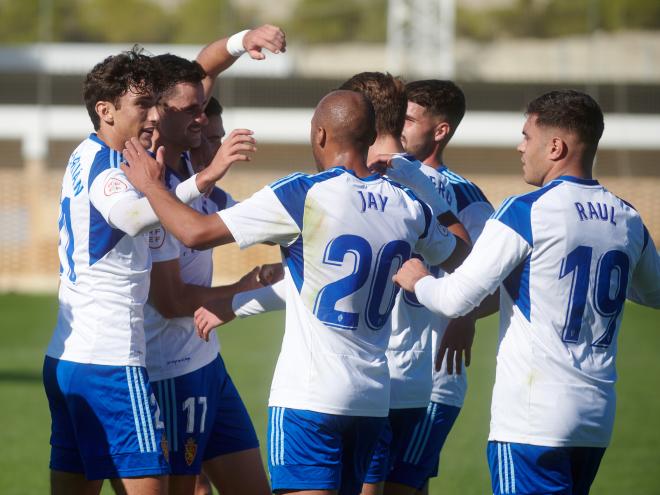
[[250, 348]]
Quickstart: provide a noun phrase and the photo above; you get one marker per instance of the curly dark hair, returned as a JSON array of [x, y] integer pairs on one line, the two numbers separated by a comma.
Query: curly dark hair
[[179, 70], [116, 75], [440, 98], [388, 97], [570, 110]]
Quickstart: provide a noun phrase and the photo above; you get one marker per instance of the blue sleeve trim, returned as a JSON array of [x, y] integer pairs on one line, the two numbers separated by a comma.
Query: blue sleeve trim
[[292, 191], [103, 160], [219, 197], [515, 212], [293, 257], [517, 285], [646, 238], [102, 237]]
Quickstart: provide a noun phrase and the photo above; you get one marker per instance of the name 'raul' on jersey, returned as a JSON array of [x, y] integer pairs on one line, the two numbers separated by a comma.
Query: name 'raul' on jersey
[[342, 239]]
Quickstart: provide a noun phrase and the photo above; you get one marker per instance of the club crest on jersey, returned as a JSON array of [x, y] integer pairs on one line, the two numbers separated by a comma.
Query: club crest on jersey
[[191, 451], [372, 201], [114, 186], [165, 447], [156, 237]]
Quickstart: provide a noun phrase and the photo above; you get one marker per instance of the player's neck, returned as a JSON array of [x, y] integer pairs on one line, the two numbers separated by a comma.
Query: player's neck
[[350, 160], [172, 157], [386, 143], [112, 140], [435, 159], [577, 170]]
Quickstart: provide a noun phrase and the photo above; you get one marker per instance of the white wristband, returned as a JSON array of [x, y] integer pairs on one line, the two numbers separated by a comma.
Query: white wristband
[[235, 44], [187, 190], [261, 300]]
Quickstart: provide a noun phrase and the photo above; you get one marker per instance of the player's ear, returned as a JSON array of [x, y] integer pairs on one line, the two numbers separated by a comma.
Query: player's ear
[[558, 148], [320, 136], [105, 111], [442, 131]]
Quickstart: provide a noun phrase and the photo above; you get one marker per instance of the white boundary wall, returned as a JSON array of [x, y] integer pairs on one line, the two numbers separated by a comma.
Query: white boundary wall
[[35, 125]]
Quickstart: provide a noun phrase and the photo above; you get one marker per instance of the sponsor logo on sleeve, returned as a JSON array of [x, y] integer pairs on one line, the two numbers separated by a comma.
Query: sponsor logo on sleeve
[[114, 186]]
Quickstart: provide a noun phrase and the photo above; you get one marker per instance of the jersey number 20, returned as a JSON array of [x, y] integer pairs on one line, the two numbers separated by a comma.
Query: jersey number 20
[[337, 249]]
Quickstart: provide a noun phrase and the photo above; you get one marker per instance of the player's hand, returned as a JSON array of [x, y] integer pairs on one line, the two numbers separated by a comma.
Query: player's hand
[[140, 167], [408, 275], [271, 273], [266, 36], [234, 149], [249, 281], [456, 342], [213, 314], [381, 163]]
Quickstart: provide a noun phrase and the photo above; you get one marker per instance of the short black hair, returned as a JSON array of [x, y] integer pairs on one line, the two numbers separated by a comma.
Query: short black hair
[[178, 70], [570, 110], [387, 94], [116, 75], [441, 98], [213, 107]]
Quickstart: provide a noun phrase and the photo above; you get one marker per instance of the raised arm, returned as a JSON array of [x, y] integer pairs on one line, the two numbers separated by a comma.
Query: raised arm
[[219, 55]]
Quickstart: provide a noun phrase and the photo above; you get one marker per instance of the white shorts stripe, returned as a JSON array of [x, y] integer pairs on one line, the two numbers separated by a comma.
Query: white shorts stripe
[[272, 437], [512, 469], [129, 380], [499, 467], [281, 427], [149, 433], [140, 407], [506, 469]]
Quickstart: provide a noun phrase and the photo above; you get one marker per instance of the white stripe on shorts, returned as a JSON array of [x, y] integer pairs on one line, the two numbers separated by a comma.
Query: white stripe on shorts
[[129, 380]]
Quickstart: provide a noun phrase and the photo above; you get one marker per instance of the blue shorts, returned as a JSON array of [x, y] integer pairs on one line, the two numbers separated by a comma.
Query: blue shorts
[[316, 451], [393, 442], [104, 421], [204, 417], [417, 437], [531, 469]]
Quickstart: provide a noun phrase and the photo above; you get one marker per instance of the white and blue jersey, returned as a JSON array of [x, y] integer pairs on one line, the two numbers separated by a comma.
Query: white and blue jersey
[[173, 347], [565, 257], [104, 273], [416, 331], [409, 355], [473, 209], [342, 239]]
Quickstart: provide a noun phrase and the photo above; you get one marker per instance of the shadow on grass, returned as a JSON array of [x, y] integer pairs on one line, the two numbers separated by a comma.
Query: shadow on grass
[[20, 376]]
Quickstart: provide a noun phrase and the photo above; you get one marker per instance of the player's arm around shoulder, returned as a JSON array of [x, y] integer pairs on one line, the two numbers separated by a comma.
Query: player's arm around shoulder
[[193, 229], [496, 253]]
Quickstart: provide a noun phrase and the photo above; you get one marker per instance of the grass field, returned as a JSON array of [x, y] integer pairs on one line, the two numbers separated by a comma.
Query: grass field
[[250, 347]]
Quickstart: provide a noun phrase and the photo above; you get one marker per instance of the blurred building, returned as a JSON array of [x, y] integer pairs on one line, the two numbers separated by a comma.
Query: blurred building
[[42, 119]]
